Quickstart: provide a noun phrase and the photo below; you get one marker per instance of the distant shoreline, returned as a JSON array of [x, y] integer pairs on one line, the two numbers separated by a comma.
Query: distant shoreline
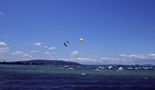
[[39, 62], [60, 62]]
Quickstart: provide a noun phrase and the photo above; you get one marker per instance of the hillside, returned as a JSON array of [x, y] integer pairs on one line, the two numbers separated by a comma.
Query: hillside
[[41, 62]]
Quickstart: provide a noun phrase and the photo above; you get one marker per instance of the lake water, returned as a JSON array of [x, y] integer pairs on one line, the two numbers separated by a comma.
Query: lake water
[[31, 77]]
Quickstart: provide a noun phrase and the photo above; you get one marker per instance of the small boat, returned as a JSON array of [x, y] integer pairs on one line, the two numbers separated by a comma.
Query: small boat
[[83, 74]]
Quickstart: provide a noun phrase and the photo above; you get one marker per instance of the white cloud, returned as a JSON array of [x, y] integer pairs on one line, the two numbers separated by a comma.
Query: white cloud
[[151, 55], [34, 51], [27, 55], [38, 45], [21, 54], [87, 60], [3, 44], [17, 53], [43, 46], [123, 55], [139, 56], [138, 59], [47, 53], [135, 56], [52, 48], [127, 59], [75, 54], [4, 49]]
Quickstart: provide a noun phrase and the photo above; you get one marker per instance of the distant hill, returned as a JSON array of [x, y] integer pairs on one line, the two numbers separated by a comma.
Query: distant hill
[[41, 62]]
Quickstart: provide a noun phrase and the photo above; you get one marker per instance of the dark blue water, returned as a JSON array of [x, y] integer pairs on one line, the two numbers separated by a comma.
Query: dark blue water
[[13, 80]]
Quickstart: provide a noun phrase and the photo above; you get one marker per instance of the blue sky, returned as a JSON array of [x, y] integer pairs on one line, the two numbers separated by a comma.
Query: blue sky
[[110, 27]]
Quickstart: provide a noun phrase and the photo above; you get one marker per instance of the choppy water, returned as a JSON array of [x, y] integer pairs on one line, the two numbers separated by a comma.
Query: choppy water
[[19, 77]]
